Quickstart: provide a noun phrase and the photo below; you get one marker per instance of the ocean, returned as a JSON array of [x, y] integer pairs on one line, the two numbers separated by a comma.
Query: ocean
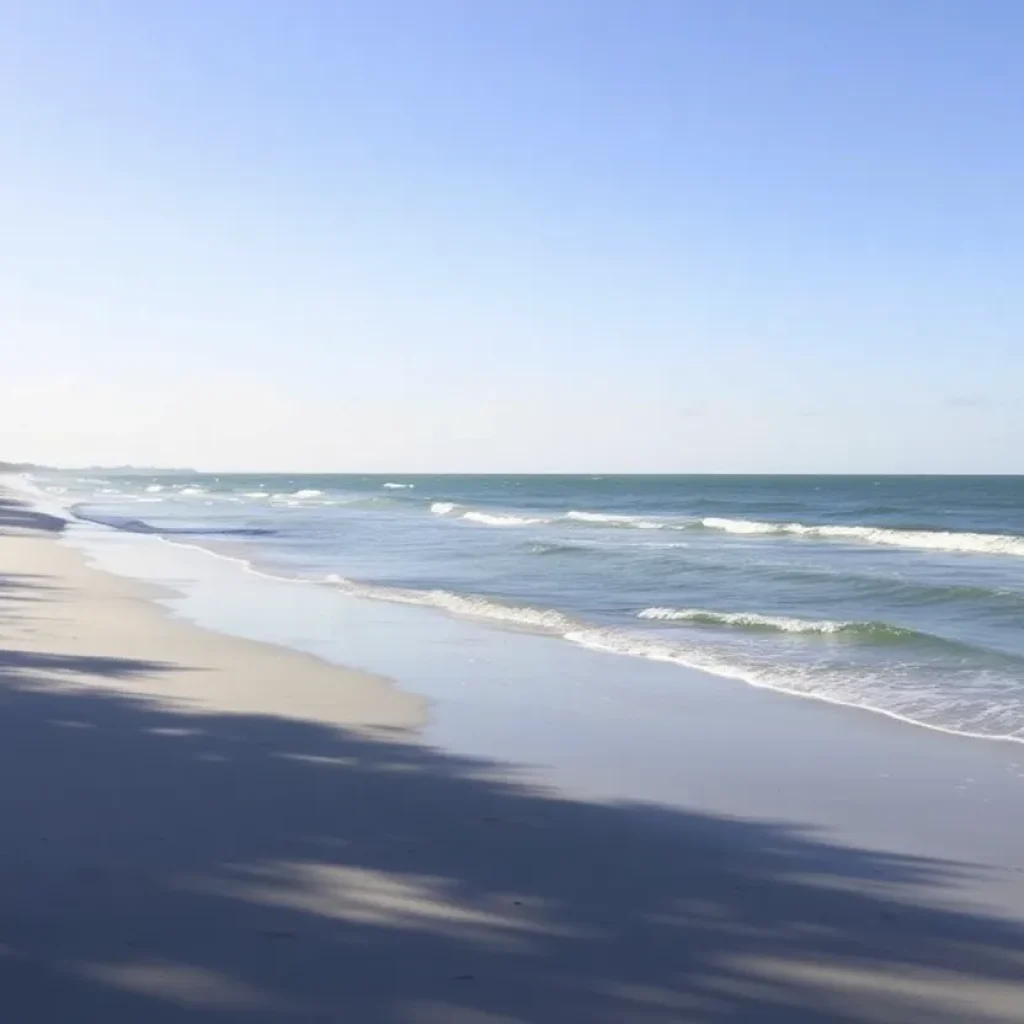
[[900, 595]]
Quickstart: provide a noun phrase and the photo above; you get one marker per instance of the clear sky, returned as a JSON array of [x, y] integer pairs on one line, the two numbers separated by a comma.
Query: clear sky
[[507, 235]]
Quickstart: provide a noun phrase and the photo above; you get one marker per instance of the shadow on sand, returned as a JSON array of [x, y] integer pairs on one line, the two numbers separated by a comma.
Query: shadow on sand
[[157, 865], [16, 516]]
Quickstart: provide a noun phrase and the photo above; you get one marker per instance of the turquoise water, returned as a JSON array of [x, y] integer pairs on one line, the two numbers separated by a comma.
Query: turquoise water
[[904, 595]]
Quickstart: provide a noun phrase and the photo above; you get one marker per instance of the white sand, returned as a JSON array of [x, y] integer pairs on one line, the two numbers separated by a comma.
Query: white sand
[[197, 828], [81, 612]]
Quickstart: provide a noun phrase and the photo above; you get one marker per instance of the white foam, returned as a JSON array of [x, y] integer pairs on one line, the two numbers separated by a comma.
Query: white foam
[[154, 488], [398, 487], [451, 510], [739, 525], [925, 540], [598, 517], [192, 491], [255, 494], [493, 519], [845, 690], [610, 519], [470, 606], [754, 619], [308, 493]]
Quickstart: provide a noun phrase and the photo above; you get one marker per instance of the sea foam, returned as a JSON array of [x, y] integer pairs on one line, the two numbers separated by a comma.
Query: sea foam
[[611, 519], [494, 519], [756, 620], [927, 540]]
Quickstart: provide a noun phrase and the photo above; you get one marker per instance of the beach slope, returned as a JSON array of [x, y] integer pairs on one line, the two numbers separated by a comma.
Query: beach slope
[[198, 828]]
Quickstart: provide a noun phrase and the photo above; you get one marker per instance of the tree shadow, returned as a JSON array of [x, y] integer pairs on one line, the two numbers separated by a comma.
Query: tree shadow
[[162, 865], [17, 516], [18, 587], [14, 662]]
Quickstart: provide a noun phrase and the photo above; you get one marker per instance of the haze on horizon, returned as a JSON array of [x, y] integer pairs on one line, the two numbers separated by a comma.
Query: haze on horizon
[[646, 236]]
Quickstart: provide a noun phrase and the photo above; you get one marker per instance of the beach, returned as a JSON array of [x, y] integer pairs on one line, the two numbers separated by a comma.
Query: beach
[[200, 826]]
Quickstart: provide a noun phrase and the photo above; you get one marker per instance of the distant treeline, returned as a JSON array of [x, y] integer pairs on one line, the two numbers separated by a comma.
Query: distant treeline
[[22, 467]]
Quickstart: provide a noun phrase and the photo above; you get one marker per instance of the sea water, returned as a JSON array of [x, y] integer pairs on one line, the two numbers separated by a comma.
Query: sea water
[[901, 595]]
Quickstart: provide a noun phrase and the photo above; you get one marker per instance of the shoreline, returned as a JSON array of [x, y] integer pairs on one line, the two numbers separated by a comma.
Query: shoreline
[[543, 620], [113, 611], [358, 592], [197, 824]]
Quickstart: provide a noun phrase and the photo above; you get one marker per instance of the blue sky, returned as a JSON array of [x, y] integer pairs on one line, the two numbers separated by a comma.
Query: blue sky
[[769, 236]]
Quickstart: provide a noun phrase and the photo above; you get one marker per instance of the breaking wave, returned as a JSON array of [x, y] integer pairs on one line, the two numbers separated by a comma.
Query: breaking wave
[[927, 540], [777, 623]]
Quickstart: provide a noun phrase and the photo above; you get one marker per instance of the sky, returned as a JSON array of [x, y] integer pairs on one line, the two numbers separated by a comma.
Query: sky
[[513, 236]]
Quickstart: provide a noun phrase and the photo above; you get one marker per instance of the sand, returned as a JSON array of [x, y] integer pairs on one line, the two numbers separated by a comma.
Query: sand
[[199, 828]]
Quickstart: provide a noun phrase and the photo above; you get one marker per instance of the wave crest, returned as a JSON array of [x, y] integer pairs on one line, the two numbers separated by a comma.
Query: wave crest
[[776, 623], [613, 519], [450, 510], [495, 519], [468, 605], [925, 540]]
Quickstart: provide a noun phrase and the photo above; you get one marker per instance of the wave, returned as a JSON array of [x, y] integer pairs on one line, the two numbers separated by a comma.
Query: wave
[[599, 517], [130, 525], [613, 519], [294, 497], [560, 549], [398, 487], [154, 488], [494, 519], [846, 686], [192, 491], [981, 718], [739, 525], [451, 510], [471, 606], [779, 623], [928, 540], [918, 539]]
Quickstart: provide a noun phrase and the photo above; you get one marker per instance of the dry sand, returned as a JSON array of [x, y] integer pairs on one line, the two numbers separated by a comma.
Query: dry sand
[[197, 828]]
